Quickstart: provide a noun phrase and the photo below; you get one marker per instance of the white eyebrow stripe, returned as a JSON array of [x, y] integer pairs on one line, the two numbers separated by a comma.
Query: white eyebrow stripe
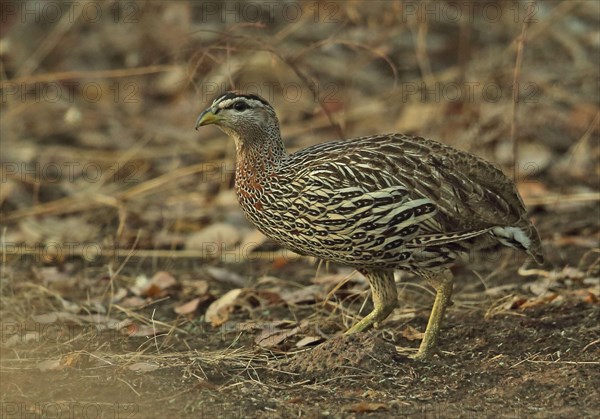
[[229, 102]]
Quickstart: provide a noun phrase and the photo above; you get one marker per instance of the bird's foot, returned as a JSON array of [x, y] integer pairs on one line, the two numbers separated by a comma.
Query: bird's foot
[[425, 355], [362, 326]]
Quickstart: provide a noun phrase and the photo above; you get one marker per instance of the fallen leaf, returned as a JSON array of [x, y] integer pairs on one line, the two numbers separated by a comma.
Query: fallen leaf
[[50, 365], [544, 299], [411, 333], [163, 280], [590, 298], [280, 262], [70, 360], [50, 318], [269, 337], [52, 274], [218, 312], [515, 303], [143, 330], [363, 407], [270, 297], [308, 340], [47, 318], [155, 287], [20, 338], [133, 302], [153, 292], [189, 307], [196, 286], [226, 276], [142, 282], [541, 286], [308, 294], [144, 366]]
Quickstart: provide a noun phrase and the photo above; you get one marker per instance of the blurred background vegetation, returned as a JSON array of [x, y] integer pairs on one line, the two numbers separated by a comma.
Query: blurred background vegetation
[[99, 100]]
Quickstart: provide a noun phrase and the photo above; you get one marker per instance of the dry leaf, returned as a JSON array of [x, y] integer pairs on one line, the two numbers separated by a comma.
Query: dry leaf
[[534, 302], [47, 318], [163, 280], [189, 307], [226, 276], [200, 286], [70, 360], [50, 365], [155, 287], [51, 274], [19, 338], [516, 302], [411, 333], [218, 312], [590, 297], [280, 262], [133, 302], [268, 296], [541, 286], [50, 318], [308, 340], [308, 294], [363, 407], [142, 282], [270, 337], [144, 330], [153, 292], [144, 366]]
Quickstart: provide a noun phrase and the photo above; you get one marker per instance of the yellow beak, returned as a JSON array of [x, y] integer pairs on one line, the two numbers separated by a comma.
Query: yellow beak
[[207, 117]]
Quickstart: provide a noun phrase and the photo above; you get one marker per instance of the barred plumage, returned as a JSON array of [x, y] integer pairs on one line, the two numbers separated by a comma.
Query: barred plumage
[[377, 203]]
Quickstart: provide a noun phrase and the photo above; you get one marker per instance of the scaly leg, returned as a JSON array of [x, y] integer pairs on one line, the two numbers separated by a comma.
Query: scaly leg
[[444, 284], [385, 299]]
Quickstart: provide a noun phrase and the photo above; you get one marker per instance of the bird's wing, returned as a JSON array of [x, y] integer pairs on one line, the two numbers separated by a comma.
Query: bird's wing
[[469, 193], [418, 191]]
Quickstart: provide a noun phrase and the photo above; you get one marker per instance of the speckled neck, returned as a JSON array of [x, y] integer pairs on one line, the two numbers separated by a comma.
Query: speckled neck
[[259, 152]]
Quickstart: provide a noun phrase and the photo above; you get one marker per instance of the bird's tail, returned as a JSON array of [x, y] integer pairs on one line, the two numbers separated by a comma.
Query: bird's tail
[[521, 236]]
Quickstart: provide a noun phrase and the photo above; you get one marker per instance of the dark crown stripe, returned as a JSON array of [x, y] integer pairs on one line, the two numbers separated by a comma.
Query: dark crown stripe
[[235, 94]]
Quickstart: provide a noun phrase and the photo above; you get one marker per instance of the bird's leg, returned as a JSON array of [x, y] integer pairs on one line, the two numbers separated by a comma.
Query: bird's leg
[[442, 298], [385, 299]]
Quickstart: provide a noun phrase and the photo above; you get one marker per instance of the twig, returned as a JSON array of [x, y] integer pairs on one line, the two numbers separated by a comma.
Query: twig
[[516, 77], [101, 74]]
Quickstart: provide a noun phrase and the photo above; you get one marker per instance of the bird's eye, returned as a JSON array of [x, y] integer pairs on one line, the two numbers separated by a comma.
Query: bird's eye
[[240, 106]]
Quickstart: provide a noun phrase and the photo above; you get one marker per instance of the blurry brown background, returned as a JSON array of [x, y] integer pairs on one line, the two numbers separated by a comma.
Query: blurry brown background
[[107, 187]]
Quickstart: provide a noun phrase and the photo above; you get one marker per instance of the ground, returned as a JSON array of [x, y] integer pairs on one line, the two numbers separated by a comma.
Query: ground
[[131, 285]]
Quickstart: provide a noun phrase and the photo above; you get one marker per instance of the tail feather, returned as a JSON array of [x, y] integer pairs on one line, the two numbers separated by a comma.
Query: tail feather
[[523, 237]]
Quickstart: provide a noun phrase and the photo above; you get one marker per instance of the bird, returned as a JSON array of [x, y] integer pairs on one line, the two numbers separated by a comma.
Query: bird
[[378, 203]]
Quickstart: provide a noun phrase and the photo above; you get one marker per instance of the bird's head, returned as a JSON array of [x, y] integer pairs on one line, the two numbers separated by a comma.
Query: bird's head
[[242, 116]]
